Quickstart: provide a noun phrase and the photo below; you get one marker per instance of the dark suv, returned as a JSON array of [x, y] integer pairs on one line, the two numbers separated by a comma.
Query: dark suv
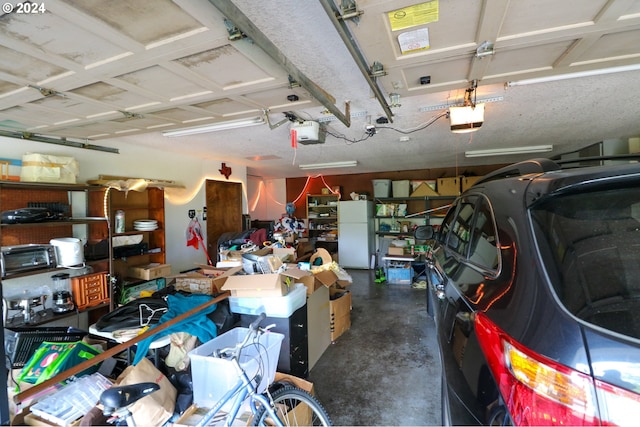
[[534, 284]]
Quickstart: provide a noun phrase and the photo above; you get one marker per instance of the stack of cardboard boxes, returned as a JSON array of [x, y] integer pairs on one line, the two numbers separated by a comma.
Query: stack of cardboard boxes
[[327, 298]]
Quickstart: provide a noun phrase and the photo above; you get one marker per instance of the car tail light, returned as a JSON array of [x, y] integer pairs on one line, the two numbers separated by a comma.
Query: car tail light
[[539, 391]]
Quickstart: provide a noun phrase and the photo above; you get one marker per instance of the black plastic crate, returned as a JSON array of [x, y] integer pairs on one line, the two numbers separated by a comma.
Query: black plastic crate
[[21, 343]]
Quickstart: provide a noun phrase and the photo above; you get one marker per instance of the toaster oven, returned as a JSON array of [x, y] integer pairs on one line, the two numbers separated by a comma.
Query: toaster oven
[[23, 258]]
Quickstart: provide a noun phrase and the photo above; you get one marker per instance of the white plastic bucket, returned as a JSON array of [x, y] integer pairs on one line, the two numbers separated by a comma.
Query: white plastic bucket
[[69, 252]]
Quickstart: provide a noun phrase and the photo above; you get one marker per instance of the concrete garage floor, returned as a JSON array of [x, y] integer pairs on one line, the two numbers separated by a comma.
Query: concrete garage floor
[[385, 370]]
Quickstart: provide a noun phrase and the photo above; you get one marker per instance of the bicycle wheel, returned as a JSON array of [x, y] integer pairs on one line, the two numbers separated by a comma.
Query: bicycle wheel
[[294, 407]]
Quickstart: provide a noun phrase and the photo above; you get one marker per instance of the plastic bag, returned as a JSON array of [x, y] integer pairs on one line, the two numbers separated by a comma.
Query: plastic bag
[[51, 358]]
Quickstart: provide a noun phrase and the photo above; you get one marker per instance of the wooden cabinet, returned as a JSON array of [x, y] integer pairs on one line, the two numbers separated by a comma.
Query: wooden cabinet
[[322, 217]]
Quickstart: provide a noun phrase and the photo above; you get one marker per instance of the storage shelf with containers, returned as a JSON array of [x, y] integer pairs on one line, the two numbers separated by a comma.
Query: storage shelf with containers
[[33, 297], [398, 213], [400, 206], [138, 251], [322, 217]]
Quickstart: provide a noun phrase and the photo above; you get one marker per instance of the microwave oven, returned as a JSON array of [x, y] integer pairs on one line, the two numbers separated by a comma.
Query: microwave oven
[[23, 258]]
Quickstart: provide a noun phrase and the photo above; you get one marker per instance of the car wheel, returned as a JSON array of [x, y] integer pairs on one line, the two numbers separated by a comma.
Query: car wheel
[[498, 415]]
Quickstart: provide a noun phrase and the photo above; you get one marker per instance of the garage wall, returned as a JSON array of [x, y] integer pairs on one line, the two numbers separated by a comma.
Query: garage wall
[[152, 164], [266, 197]]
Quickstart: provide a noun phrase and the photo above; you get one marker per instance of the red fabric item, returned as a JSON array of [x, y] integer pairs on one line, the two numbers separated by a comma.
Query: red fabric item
[[192, 234], [259, 236]]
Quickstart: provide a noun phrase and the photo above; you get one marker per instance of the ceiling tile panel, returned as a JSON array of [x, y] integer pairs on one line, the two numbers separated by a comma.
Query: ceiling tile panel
[[25, 67], [459, 14], [222, 106], [547, 15], [18, 116], [225, 66], [178, 115], [109, 94], [613, 46], [512, 61], [6, 87], [33, 117], [57, 36], [274, 98], [143, 21], [441, 73], [157, 79], [68, 105]]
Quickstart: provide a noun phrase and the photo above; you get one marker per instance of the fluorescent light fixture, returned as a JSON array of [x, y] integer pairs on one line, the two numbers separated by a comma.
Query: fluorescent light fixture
[[345, 164], [509, 150], [587, 73], [466, 119], [232, 124]]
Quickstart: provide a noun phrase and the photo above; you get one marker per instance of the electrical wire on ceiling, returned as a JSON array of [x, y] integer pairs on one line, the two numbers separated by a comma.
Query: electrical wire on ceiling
[[370, 133], [366, 136], [419, 128]]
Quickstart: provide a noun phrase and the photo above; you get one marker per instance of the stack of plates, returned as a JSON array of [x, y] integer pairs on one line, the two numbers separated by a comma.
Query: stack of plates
[[145, 224]]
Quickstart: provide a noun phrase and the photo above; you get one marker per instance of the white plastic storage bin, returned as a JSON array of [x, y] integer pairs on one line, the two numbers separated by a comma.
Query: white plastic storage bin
[[283, 306], [381, 187], [401, 188], [212, 377]]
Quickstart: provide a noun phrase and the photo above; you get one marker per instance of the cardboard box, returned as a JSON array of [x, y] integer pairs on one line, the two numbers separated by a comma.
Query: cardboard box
[[285, 254], [340, 312], [424, 190], [395, 250], [468, 181], [302, 275], [318, 324], [258, 285], [325, 278], [150, 271], [449, 186], [300, 415], [198, 283], [298, 382]]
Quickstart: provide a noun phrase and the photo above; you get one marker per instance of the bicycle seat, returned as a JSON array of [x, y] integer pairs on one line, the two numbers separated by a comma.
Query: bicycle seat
[[122, 396]]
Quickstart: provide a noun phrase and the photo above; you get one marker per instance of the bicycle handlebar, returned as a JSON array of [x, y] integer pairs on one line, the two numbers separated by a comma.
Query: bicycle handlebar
[[228, 352], [254, 325]]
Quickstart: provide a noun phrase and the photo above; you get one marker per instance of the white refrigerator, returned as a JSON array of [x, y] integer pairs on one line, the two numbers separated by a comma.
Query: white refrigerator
[[355, 233]]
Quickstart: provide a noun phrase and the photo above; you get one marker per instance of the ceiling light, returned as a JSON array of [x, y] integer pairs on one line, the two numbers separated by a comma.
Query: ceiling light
[[510, 150], [587, 73], [345, 164], [470, 116], [232, 124], [466, 119]]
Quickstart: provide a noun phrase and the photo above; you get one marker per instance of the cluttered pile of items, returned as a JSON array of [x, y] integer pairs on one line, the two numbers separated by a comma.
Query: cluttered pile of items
[[166, 339]]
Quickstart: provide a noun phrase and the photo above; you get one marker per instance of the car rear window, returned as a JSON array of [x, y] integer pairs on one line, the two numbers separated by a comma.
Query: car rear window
[[590, 245]]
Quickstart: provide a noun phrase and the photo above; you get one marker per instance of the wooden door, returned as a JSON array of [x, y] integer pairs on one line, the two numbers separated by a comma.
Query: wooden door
[[224, 212]]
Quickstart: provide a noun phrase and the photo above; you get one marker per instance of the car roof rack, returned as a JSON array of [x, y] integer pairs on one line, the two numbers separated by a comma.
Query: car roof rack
[[579, 161], [520, 169]]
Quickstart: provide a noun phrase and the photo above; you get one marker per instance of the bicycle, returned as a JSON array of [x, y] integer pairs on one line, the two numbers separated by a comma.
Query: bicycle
[[283, 405]]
